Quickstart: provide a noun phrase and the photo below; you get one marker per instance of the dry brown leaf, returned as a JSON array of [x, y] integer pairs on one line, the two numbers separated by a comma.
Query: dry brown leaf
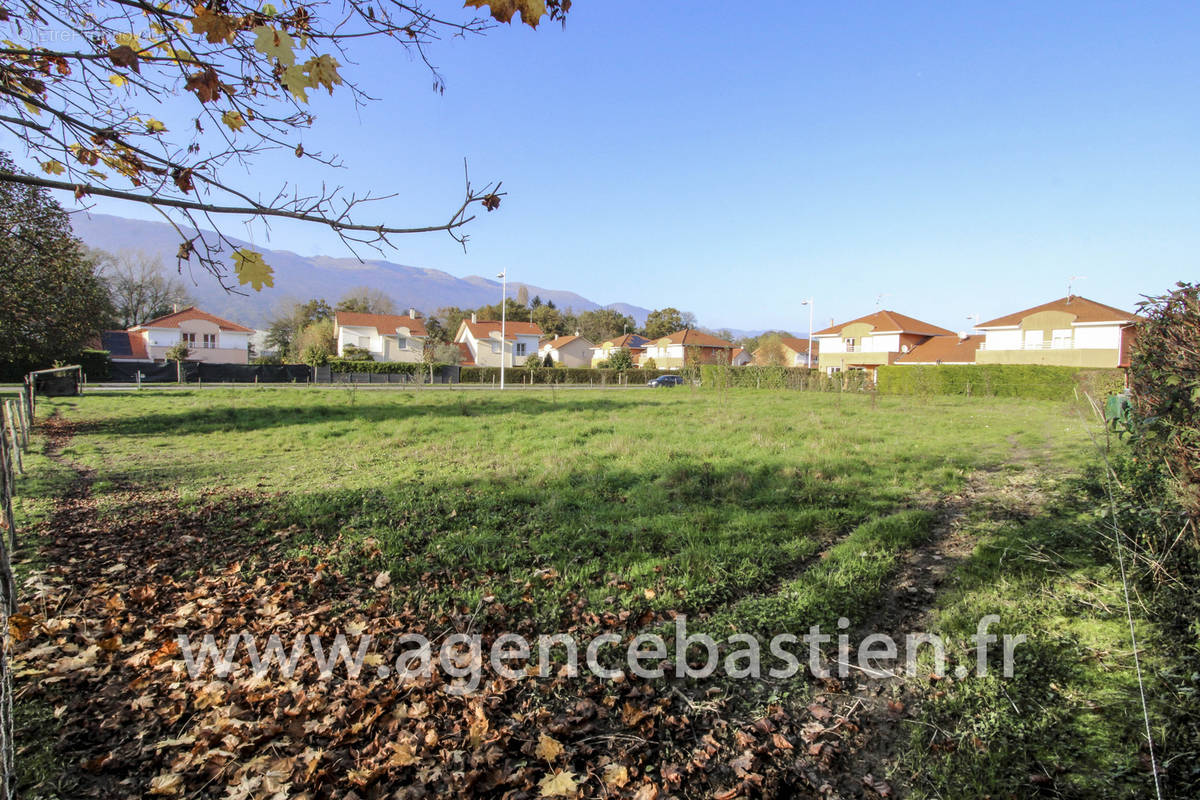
[[548, 748], [616, 775], [168, 784], [558, 784]]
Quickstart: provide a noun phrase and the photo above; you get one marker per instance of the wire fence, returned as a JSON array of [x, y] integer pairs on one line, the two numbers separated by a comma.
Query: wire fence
[[16, 423]]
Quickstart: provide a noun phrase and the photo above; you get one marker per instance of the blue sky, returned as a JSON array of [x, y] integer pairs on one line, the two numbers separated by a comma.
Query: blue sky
[[956, 158]]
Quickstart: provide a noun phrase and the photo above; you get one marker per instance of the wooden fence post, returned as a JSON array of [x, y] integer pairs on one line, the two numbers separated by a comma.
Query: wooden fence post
[[11, 431], [6, 490]]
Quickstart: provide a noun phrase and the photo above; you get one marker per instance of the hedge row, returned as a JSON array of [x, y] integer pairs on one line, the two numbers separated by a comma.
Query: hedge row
[[557, 375], [95, 365], [719, 376], [1033, 381], [378, 367]]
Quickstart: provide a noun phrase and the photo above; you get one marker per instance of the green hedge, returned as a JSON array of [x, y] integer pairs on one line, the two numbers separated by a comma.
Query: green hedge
[[720, 376], [1035, 381], [379, 367], [95, 365], [559, 375]]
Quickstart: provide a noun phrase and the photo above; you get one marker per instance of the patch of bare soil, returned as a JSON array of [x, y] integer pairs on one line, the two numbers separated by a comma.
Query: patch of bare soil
[[883, 701]]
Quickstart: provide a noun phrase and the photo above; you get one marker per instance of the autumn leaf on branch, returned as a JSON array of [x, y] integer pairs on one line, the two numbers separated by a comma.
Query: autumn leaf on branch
[[532, 11], [251, 269], [247, 67]]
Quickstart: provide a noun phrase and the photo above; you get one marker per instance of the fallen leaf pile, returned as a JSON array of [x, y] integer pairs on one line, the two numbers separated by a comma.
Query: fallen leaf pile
[[96, 640]]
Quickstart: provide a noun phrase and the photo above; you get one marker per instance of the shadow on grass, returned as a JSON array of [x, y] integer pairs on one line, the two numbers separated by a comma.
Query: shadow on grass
[[694, 535], [366, 407]]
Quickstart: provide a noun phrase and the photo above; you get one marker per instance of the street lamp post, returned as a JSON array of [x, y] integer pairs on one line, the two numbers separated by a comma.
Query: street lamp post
[[809, 303], [503, 276]]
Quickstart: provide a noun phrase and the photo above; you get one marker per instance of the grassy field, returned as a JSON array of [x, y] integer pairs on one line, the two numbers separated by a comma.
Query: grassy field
[[756, 511], [706, 497]]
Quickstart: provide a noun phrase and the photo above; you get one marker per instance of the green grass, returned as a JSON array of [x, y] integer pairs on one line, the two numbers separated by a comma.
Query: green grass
[[716, 504], [703, 497]]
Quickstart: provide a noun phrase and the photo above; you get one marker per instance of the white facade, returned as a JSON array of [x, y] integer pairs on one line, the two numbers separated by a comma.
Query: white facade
[[1081, 336], [486, 351]]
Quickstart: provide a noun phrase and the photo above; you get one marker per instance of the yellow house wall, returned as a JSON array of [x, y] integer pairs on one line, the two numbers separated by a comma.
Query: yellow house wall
[[1058, 358]]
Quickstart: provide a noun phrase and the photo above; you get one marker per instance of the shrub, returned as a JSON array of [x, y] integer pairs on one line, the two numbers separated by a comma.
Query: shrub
[[1159, 510], [352, 352], [752, 376], [620, 360], [1035, 381], [378, 367], [559, 375], [95, 363]]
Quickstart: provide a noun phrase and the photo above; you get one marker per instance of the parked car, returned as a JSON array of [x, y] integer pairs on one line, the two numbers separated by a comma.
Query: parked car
[[666, 380]]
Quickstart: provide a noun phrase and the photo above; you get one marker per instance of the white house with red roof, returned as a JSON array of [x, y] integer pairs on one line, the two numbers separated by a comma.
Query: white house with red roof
[[483, 342], [387, 337], [685, 347], [871, 341], [208, 338]]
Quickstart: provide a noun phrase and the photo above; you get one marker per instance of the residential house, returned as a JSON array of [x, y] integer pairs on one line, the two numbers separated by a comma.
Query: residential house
[[959, 348], [1071, 331], [570, 351], [795, 352], [387, 337], [687, 347], [740, 357], [632, 342], [209, 339], [867, 342], [483, 342]]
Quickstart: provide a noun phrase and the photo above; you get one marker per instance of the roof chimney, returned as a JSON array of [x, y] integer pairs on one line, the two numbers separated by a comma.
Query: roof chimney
[[473, 320], [412, 312], [174, 308]]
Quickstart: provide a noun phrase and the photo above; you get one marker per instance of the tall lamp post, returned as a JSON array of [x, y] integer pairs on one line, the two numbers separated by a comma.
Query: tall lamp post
[[503, 276], [809, 303]]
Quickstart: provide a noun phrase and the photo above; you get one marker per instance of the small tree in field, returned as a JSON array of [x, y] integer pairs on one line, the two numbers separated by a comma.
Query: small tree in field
[[620, 359], [439, 353], [178, 353]]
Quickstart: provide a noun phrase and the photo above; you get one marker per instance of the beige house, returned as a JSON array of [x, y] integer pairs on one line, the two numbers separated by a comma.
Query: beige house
[[687, 347], [868, 342], [795, 352], [1071, 332], [570, 351], [482, 340], [387, 337], [208, 338], [632, 342]]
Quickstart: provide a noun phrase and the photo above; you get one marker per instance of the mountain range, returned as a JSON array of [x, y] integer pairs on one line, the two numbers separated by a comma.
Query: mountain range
[[299, 277]]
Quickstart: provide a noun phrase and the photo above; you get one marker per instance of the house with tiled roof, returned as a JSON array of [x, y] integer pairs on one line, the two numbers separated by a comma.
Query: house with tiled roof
[[795, 352], [868, 342], [687, 347], [959, 348], [570, 351], [483, 341], [741, 357], [208, 338], [633, 342], [387, 337], [1072, 331]]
